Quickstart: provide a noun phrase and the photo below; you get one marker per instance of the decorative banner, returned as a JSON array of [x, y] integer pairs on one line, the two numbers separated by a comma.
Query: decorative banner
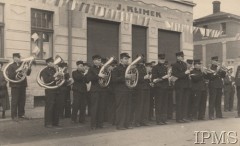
[[35, 37], [237, 37]]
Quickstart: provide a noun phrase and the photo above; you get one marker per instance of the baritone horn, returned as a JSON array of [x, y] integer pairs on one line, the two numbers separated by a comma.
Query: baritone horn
[[132, 70], [104, 82], [21, 72], [59, 80]]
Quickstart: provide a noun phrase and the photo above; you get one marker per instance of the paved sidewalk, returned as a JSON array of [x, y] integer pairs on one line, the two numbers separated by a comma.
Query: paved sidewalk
[[33, 113]]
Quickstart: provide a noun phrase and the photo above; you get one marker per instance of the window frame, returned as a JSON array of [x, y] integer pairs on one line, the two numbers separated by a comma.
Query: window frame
[[2, 26], [221, 26], [42, 30]]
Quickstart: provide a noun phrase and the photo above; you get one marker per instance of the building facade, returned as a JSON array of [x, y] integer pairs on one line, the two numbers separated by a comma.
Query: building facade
[[105, 27], [227, 45]]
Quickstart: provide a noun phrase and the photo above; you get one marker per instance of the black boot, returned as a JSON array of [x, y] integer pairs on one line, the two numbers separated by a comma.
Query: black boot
[[3, 115]]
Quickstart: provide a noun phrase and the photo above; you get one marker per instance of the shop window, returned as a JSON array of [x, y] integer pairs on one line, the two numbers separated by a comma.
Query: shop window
[[42, 33], [1, 31]]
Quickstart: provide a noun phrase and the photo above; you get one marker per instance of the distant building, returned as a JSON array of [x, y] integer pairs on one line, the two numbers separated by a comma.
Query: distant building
[[226, 47]]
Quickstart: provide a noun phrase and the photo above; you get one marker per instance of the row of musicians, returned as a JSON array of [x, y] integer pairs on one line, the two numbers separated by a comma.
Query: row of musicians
[[125, 106]]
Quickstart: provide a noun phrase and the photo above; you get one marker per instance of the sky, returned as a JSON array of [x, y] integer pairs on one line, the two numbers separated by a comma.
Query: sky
[[204, 7]]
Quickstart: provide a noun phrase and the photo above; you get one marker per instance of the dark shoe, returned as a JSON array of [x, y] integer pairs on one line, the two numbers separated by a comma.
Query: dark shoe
[[121, 128], [137, 125], [165, 123], [160, 123], [15, 119], [100, 127], [48, 126], [185, 120], [23, 117], [93, 128], [211, 118], [237, 116], [180, 121], [144, 124]]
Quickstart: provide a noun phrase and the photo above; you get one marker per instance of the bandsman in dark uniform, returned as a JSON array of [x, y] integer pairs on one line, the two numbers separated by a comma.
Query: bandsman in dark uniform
[[52, 103], [179, 70], [215, 89], [18, 90], [197, 86], [96, 94], [123, 94], [237, 83], [152, 96], [203, 99], [229, 91], [142, 95], [79, 89], [64, 95], [191, 98], [160, 78], [88, 99]]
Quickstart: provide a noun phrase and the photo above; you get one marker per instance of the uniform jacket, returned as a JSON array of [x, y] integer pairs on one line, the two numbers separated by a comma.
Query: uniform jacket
[[197, 80], [216, 81], [228, 80], [12, 74], [118, 78], [142, 83], [48, 76], [3, 86], [80, 81], [178, 70], [237, 77], [159, 71], [92, 76]]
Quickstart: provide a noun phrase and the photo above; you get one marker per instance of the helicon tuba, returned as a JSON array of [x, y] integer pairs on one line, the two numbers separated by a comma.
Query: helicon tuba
[[104, 82], [21, 72], [132, 70], [59, 80]]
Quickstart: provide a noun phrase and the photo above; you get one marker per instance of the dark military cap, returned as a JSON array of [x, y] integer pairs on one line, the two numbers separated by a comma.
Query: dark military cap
[[124, 55], [104, 60], [16, 55], [50, 59], [86, 64], [197, 61], [161, 56], [180, 53], [63, 64], [79, 62], [96, 57], [215, 58], [189, 61]]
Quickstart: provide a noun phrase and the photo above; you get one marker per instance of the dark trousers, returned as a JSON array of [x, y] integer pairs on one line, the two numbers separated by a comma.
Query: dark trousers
[[182, 95], [79, 104], [170, 104], [238, 99], [52, 107], [64, 96], [18, 101], [88, 106], [123, 108], [215, 100], [196, 97], [97, 109], [111, 110], [202, 105], [142, 106], [229, 98], [161, 101], [152, 103]]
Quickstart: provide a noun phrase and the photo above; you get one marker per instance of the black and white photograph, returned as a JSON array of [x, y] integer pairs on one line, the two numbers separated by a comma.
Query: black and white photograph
[[119, 72]]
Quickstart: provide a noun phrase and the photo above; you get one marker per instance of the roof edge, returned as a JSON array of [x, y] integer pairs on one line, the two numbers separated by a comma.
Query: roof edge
[[184, 2]]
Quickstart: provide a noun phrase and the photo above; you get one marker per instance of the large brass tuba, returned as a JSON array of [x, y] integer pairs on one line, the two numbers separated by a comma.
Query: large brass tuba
[[132, 70], [104, 82], [21, 72], [59, 80]]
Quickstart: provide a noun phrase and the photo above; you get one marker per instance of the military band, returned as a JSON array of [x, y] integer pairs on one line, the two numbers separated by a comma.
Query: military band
[[127, 94]]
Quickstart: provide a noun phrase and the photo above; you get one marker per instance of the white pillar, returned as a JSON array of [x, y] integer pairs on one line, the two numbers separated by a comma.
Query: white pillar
[[224, 50]]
